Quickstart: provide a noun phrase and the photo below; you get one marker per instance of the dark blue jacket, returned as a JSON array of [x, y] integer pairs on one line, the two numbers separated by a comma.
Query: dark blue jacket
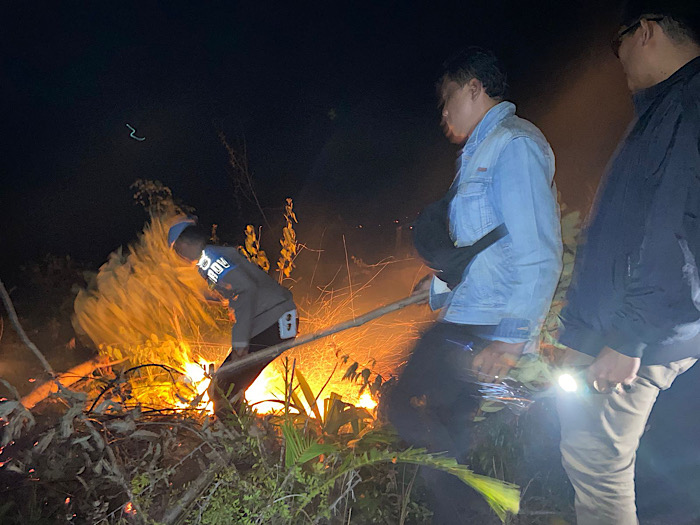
[[636, 287]]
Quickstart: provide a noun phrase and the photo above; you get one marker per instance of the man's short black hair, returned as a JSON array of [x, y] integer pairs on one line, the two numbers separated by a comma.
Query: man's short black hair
[[680, 22], [193, 235], [479, 63]]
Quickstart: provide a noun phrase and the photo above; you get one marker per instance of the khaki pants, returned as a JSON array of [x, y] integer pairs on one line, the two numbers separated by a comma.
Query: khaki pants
[[599, 438]]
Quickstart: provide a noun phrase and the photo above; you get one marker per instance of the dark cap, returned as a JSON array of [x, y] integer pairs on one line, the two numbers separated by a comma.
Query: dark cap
[[684, 11]]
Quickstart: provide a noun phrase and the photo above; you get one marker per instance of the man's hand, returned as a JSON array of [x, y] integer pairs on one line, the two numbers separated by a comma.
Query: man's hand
[[612, 368], [495, 361], [241, 351], [422, 286]]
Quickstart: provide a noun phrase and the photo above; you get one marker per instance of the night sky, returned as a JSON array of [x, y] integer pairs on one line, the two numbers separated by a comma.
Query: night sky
[[335, 102]]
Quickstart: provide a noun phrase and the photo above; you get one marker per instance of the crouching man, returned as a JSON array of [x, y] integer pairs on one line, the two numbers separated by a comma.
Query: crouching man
[[265, 312]]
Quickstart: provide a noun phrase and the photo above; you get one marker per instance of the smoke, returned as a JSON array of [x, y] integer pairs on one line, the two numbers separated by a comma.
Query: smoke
[[584, 121]]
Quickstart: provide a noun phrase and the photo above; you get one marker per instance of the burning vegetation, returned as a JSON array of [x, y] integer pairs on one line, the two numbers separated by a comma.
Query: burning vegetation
[[132, 441], [153, 313]]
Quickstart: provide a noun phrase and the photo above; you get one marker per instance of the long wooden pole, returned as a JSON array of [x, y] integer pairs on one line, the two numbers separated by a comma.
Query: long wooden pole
[[66, 379], [272, 352]]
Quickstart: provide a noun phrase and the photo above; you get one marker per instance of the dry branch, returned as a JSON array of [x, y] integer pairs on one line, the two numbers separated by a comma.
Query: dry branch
[[20, 331], [66, 379], [196, 489]]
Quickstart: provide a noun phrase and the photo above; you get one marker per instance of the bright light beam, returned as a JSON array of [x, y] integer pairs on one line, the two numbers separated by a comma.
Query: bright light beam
[[567, 383]]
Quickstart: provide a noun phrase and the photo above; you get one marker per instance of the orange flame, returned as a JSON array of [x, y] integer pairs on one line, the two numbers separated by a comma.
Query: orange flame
[[198, 378]]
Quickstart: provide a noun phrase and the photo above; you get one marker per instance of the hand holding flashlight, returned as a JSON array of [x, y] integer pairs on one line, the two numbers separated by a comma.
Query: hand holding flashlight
[[610, 369]]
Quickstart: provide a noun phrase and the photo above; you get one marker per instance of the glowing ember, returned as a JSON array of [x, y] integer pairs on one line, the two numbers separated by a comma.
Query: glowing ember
[[129, 508], [67, 501]]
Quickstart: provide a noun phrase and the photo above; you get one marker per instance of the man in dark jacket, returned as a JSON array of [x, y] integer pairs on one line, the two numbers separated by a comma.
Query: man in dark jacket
[[265, 312], [633, 311]]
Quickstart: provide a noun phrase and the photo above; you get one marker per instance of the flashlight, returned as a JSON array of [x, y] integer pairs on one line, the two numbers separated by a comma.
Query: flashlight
[[568, 383], [574, 383]]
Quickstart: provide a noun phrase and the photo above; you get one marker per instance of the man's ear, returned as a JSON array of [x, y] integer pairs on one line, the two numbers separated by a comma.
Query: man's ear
[[475, 88], [647, 30]]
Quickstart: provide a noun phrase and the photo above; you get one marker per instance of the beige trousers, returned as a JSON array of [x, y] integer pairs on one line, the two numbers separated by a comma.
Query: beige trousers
[[599, 438]]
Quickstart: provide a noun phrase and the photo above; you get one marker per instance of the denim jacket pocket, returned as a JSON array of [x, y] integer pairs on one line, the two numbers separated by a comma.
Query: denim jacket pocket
[[471, 214]]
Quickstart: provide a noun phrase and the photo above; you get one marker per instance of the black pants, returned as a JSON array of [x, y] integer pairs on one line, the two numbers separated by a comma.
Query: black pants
[[241, 380], [432, 406]]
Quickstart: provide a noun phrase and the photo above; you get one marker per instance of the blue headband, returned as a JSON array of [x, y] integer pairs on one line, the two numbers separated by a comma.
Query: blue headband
[[177, 228]]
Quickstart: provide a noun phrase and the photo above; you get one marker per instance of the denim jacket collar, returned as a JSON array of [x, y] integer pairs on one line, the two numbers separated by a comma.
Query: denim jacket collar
[[493, 116]]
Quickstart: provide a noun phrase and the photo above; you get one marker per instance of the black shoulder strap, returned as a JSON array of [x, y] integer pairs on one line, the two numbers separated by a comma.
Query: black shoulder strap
[[487, 240]]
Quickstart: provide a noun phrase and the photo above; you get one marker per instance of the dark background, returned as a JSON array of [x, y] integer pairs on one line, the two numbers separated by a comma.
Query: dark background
[[335, 102], [336, 105]]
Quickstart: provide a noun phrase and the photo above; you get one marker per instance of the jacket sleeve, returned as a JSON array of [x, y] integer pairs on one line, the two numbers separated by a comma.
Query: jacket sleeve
[[662, 292], [439, 292], [241, 292], [526, 199]]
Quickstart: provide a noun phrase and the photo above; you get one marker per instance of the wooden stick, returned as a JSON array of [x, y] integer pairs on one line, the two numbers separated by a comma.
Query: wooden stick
[[176, 512], [66, 379], [272, 352]]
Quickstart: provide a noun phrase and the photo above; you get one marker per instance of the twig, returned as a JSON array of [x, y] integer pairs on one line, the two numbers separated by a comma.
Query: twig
[[205, 503], [241, 176], [347, 265], [198, 486], [140, 516], [320, 251], [270, 353], [20, 331], [406, 497]]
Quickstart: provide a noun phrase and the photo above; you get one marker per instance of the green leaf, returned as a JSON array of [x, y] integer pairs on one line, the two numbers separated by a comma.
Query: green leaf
[[491, 406], [501, 496], [349, 414], [67, 420], [298, 449]]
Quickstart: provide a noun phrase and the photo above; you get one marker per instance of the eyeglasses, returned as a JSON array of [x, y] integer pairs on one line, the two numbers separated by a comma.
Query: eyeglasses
[[617, 41]]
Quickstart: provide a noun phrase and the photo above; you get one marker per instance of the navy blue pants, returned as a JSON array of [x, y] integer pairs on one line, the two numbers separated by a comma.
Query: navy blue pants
[[432, 406]]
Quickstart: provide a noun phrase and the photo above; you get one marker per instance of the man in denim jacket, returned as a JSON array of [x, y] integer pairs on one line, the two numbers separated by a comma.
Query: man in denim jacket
[[505, 176]]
